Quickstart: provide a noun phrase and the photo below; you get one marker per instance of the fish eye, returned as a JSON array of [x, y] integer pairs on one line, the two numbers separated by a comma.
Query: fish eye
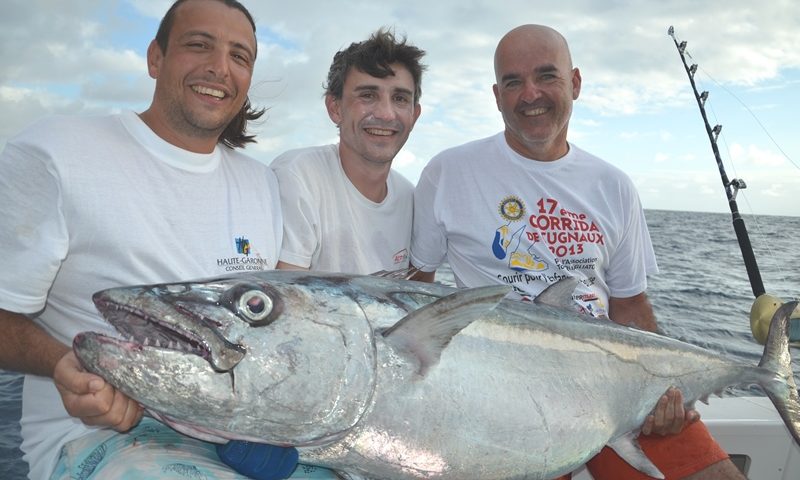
[[172, 288], [254, 305]]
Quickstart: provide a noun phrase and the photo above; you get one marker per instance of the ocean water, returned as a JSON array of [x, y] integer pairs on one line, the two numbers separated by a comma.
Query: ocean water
[[701, 296]]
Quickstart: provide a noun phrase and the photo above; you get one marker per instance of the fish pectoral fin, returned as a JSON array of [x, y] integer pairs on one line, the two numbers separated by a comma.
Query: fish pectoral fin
[[627, 447], [425, 332], [559, 294]]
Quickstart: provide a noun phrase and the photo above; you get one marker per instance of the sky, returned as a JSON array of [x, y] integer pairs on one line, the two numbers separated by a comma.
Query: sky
[[636, 107]]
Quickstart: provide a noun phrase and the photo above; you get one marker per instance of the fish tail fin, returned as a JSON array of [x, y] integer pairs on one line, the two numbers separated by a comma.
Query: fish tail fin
[[781, 389]]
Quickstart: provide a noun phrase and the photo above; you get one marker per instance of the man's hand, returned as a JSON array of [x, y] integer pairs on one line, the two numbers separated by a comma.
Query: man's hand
[[669, 417], [88, 397]]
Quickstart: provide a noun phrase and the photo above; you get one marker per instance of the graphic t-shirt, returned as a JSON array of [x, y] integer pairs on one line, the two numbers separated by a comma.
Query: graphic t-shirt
[[498, 217]]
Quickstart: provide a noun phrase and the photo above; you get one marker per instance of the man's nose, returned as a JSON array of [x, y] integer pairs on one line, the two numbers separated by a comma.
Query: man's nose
[[530, 92], [384, 109], [218, 63]]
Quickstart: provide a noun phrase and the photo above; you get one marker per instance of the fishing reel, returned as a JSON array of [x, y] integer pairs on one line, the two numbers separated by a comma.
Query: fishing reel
[[736, 184], [761, 312]]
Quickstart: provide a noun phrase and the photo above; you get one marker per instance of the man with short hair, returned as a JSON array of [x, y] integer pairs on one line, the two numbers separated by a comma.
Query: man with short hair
[[344, 208]]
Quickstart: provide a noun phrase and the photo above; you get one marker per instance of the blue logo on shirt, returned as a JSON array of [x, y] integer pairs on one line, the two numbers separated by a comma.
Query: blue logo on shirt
[[242, 245]]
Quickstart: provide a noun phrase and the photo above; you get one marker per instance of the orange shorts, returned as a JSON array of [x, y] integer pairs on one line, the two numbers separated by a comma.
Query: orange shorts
[[677, 456]]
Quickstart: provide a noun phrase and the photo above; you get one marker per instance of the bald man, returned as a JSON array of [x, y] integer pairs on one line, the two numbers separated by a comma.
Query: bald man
[[525, 207]]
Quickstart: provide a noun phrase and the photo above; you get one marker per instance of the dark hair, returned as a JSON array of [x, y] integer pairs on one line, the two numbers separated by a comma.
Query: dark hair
[[234, 134], [373, 57]]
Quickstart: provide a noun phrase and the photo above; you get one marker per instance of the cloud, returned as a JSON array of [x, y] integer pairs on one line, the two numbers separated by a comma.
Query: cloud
[[754, 155], [636, 107]]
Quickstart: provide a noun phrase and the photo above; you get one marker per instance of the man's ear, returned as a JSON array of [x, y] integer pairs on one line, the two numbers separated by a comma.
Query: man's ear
[[154, 59], [417, 112], [332, 105], [496, 91], [576, 83]]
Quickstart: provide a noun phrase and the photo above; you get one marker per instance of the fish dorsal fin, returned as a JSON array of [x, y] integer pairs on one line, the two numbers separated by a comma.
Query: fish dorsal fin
[[425, 332], [627, 447], [559, 294]]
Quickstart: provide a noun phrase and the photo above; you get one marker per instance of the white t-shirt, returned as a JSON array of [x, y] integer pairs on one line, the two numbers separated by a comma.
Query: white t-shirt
[[330, 226], [97, 202], [498, 217]]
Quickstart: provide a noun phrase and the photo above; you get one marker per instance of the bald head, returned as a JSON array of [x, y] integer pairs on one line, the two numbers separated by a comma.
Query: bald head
[[527, 37], [536, 85]]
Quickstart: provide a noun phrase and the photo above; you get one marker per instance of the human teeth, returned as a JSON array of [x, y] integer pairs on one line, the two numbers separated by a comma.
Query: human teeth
[[209, 91], [379, 131], [535, 111]]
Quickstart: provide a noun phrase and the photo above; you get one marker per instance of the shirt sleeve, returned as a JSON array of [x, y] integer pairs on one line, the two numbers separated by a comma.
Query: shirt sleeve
[[634, 258], [301, 227], [33, 233], [428, 236]]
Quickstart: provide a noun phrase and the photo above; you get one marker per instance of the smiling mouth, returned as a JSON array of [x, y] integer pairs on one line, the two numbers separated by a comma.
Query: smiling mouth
[[380, 132], [211, 92], [535, 112]]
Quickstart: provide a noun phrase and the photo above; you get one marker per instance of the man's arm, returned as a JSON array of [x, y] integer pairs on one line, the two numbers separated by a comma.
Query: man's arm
[[634, 311], [27, 348], [289, 266], [421, 276]]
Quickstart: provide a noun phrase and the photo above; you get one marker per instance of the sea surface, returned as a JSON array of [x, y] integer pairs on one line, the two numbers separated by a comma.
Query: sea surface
[[701, 296]]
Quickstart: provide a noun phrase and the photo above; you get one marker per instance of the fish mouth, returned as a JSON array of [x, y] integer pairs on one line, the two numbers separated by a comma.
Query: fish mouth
[[171, 326], [139, 329]]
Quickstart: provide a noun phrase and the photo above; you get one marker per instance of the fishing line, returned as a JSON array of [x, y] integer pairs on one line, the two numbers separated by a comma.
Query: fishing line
[[752, 114]]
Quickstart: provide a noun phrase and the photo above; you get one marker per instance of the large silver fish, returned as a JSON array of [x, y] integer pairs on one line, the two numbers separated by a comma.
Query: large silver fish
[[392, 379]]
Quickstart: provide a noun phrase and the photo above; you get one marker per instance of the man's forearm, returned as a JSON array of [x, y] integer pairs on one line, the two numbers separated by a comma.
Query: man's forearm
[[633, 311], [289, 266], [421, 276], [26, 347]]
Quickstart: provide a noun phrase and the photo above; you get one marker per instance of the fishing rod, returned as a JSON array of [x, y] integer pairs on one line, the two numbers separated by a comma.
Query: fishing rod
[[764, 305]]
